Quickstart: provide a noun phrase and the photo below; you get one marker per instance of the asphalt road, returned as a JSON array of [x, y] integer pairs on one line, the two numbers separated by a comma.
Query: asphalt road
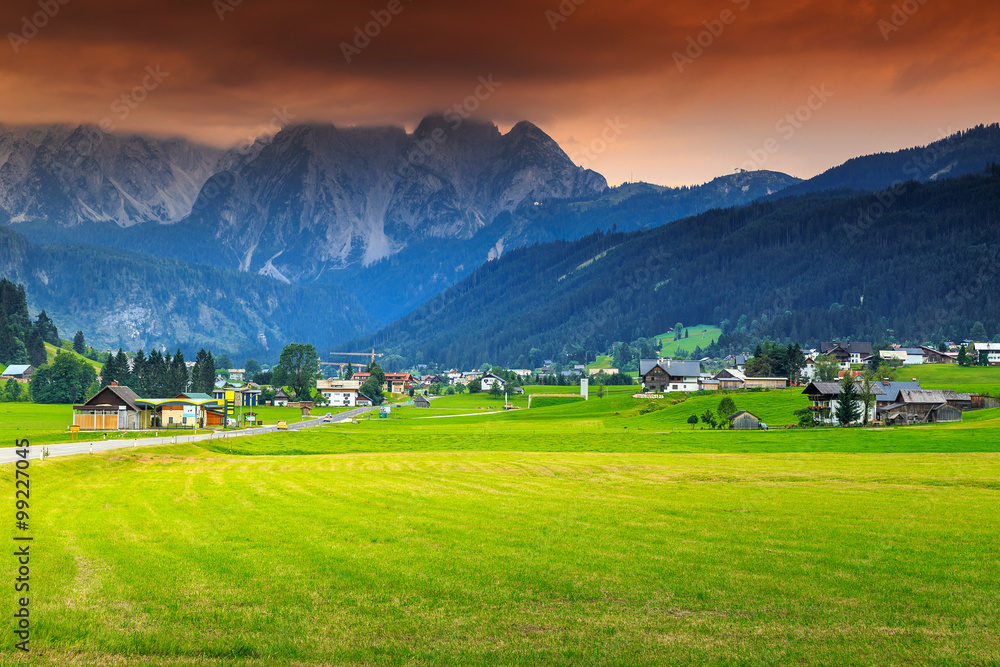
[[8, 455]]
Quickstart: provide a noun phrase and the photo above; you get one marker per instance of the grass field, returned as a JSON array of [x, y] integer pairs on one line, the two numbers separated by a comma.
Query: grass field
[[571, 534], [701, 336], [50, 353], [980, 380]]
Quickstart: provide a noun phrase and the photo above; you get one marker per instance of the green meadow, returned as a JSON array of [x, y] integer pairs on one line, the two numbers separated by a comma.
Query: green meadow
[[606, 532], [701, 336]]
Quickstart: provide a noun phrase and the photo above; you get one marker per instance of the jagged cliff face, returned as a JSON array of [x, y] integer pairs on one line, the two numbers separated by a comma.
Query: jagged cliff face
[[74, 175], [317, 197]]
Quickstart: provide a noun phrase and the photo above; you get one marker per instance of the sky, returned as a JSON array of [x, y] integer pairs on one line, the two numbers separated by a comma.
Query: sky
[[665, 92]]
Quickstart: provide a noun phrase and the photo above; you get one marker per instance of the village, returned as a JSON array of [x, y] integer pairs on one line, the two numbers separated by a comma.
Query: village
[[829, 375]]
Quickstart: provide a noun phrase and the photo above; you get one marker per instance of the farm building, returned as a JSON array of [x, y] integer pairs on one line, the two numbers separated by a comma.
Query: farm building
[[745, 421], [732, 378], [113, 408], [280, 398], [421, 401], [915, 406], [20, 372]]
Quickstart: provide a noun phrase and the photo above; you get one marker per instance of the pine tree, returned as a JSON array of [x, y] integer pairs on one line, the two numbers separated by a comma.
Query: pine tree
[[178, 374], [47, 328], [79, 346], [37, 356], [847, 402], [122, 369]]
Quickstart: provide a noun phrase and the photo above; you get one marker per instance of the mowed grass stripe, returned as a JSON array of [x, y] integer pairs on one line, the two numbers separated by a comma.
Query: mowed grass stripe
[[479, 558]]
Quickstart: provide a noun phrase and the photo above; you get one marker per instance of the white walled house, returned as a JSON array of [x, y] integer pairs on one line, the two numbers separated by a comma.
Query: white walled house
[[339, 393], [670, 376], [489, 380], [992, 351]]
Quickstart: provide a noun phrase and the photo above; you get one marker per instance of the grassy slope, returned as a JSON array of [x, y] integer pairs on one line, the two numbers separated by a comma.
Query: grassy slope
[[50, 353], [984, 380], [701, 336]]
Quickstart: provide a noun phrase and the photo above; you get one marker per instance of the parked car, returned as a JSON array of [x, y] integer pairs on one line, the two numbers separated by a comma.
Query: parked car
[[282, 425]]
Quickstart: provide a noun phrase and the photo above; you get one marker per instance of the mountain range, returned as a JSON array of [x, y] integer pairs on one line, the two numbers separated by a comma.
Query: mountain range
[[378, 220]]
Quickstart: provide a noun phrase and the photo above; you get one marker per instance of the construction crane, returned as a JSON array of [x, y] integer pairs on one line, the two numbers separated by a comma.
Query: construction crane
[[358, 354], [332, 363]]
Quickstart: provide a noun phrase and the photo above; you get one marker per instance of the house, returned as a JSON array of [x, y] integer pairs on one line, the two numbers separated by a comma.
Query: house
[[237, 374], [907, 356], [489, 380], [428, 380], [239, 394], [340, 393], [847, 353], [421, 401], [280, 398], [731, 378], [454, 375], [708, 384], [396, 383], [668, 376], [737, 361], [922, 406], [991, 350], [364, 402], [607, 371], [191, 410], [891, 392], [19, 372], [825, 401], [932, 356], [113, 408], [745, 421]]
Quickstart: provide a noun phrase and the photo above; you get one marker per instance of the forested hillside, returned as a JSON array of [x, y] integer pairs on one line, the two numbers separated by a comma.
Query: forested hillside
[[920, 262], [123, 299], [958, 154]]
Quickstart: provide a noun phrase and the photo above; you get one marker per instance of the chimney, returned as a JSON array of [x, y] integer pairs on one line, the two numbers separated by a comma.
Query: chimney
[[114, 384], [885, 381]]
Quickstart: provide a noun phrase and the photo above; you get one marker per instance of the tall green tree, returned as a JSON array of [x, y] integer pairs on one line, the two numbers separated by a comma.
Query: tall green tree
[[373, 390], [252, 367], [47, 328], [299, 366], [178, 375], [66, 380], [12, 350], [727, 408], [223, 362], [826, 368], [377, 374], [79, 346], [978, 333], [848, 409], [963, 357], [13, 390], [866, 394], [37, 356]]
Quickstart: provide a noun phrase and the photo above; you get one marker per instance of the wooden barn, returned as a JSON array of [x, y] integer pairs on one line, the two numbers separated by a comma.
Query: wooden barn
[[745, 421], [113, 408], [914, 406], [421, 401]]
